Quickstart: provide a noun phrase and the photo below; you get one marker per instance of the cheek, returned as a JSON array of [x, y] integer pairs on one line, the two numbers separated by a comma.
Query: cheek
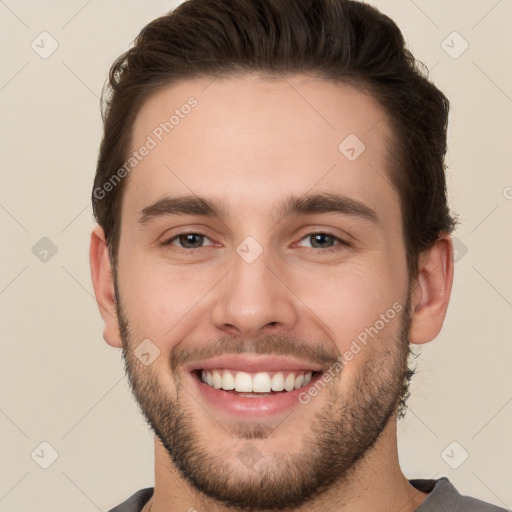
[[157, 296], [356, 303]]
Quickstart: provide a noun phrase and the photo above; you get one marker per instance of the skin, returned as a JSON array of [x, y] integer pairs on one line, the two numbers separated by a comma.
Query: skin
[[251, 142]]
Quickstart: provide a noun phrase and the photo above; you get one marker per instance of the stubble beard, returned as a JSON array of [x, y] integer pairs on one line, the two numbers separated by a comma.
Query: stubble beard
[[340, 435]]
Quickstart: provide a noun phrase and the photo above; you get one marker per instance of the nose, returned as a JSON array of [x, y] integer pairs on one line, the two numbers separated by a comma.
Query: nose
[[254, 299]]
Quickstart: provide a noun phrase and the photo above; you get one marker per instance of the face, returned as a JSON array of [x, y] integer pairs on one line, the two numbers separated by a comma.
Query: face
[[261, 248]]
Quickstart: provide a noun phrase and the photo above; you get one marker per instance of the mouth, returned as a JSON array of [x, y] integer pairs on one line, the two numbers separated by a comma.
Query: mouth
[[253, 386]]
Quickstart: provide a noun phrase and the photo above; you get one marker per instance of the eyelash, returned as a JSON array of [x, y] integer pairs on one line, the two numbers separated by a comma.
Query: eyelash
[[315, 249]]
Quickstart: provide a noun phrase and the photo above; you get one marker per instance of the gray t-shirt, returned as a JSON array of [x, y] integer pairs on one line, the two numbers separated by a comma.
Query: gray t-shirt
[[443, 497]]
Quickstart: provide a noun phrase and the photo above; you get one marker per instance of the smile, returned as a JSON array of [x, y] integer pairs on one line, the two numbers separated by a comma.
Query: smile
[[253, 386], [261, 382]]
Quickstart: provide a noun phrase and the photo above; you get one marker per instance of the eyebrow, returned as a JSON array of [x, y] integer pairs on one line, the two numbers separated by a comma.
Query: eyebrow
[[293, 205]]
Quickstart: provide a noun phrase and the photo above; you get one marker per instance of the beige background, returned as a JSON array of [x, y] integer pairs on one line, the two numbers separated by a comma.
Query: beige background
[[61, 383]]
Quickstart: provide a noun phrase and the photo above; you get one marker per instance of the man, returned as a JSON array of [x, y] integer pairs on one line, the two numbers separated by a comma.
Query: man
[[273, 234]]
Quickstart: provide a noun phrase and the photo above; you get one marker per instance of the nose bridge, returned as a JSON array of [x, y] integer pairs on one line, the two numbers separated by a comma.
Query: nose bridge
[[253, 297]]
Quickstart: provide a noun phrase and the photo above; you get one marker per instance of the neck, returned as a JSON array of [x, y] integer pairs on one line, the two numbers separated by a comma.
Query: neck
[[375, 483]]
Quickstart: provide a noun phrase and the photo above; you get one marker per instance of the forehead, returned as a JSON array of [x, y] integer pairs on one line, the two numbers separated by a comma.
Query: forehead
[[251, 140]]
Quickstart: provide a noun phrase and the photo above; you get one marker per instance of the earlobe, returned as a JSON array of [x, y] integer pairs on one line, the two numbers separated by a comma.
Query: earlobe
[[103, 283], [432, 290]]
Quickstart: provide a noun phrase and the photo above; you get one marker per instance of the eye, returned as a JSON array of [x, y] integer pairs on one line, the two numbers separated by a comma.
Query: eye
[[323, 241], [188, 240]]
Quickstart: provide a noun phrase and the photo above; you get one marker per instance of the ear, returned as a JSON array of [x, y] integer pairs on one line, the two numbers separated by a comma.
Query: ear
[[103, 283], [431, 292]]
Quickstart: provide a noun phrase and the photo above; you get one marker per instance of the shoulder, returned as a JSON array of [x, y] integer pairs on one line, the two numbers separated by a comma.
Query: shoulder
[[444, 497], [135, 502]]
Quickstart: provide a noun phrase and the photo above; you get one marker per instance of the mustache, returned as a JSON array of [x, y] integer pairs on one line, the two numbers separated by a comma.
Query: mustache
[[276, 345]]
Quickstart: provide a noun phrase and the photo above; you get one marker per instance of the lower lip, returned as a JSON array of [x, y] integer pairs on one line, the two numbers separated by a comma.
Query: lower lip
[[265, 406]]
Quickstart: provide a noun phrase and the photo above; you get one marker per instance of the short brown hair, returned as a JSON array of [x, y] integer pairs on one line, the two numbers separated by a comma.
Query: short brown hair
[[343, 41]]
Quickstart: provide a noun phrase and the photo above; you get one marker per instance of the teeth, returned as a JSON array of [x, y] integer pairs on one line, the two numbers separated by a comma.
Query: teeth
[[289, 382], [243, 382], [228, 381], [217, 379], [261, 382], [278, 382]]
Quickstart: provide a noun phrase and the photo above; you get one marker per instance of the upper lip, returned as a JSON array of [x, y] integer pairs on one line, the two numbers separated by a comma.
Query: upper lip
[[254, 363]]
